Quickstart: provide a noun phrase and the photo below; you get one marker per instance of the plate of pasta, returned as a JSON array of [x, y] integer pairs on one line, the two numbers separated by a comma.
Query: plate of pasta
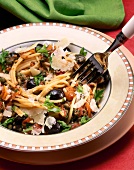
[[42, 106]]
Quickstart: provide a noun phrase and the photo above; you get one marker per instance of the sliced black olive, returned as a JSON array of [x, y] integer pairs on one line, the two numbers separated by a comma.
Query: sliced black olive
[[56, 94], [38, 47], [68, 49], [80, 59], [31, 84], [55, 129]]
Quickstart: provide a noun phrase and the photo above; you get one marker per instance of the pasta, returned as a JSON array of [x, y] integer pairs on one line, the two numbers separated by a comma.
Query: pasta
[[38, 94]]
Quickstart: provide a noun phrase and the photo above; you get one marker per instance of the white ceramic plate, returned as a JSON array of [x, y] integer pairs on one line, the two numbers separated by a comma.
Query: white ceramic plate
[[109, 116]]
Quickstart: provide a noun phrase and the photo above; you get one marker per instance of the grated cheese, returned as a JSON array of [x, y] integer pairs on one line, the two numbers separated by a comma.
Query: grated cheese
[[39, 118], [86, 90], [50, 121], [7, 113], [48, 77], [79, 103], [93, 105], [63, 43], [36, 113], [60, 61]]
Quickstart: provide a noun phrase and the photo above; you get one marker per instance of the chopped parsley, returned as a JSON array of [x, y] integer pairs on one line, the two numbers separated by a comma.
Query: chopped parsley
[[3, 56], [51, 106], [83, 52], [8, 121], [38, 79], [64, 126], [43, 50], [98, 95], [84, 120], [28, 129], [80, 89]]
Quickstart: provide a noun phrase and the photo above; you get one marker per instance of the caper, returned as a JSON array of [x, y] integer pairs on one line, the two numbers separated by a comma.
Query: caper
[[10, 126]]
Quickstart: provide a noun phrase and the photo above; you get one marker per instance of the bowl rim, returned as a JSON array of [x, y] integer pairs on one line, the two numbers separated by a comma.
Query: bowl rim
[[110, 124]]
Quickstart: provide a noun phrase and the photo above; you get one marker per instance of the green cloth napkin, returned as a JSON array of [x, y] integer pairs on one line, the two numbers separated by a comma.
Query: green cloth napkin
[[101, 14]]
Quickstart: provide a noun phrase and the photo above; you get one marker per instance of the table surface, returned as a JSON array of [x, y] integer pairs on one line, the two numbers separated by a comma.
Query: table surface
[[118, 156]]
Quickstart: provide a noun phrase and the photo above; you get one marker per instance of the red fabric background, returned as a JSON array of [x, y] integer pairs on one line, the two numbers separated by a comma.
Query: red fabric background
[[119, 156]]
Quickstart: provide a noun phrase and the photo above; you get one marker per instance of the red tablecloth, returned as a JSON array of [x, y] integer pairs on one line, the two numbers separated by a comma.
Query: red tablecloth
[[119, 156]]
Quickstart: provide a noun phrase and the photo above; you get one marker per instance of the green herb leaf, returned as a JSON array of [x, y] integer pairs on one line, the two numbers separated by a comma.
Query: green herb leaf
[[8, 121], [51, 106], [50, 58], [84, 120], [27, 129], [83, 52], [98, 95], [43, 50], [13, 108], [38, 79], [3, 56], [55, 109], [64, 126], [80, 89]]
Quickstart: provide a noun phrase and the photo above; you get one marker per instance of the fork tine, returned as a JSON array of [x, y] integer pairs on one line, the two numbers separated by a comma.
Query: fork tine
[[81, 67], [94, 77], [88, 75], [85, 71]]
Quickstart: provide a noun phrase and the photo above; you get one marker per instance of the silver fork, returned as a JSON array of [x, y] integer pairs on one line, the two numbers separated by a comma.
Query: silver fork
[[97, 65]]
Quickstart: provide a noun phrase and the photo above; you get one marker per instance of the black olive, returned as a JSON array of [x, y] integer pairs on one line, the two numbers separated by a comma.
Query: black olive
[[55, 129], [56, 94], [105, 80], [38, 47], [13, 54], [18, 120], [17, 128], [68, 49], [31, 84], [80, 59], [106, 76]]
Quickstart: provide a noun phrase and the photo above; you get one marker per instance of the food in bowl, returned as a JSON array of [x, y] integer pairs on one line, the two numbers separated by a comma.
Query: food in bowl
[[38, 94]]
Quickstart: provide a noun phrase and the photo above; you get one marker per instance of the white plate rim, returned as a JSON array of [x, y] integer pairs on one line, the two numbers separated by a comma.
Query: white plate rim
[[108, 125]]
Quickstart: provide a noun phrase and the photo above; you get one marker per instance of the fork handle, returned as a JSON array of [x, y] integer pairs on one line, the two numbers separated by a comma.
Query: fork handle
[[126, 33]]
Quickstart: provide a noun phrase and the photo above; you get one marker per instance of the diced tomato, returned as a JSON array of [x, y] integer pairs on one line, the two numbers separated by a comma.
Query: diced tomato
[[69, 93], [59, 72], [88, 108], [75, 125], [27, 120]]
